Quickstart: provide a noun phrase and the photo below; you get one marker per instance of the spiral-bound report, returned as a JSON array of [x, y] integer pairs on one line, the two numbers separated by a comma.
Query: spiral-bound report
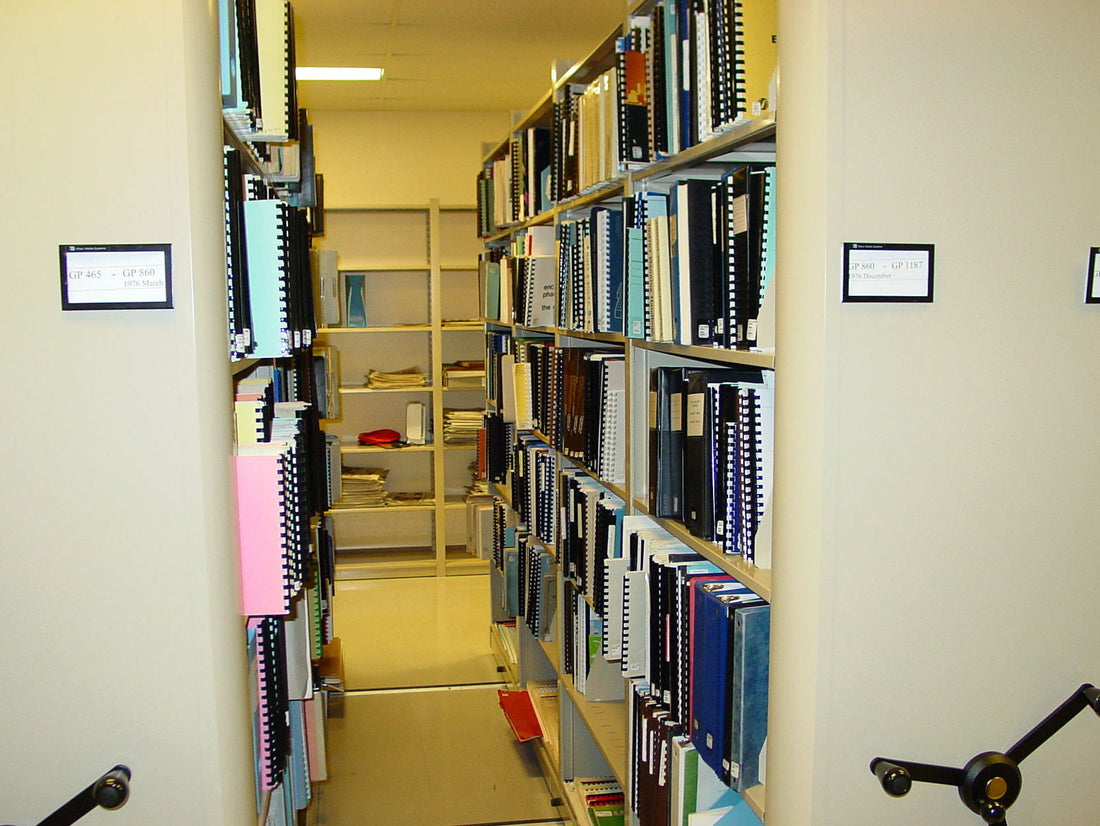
[[276, 73], [262, 530], [267, 239], [270, 704]]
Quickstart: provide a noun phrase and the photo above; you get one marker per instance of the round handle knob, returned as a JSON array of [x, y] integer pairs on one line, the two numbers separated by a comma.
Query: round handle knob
[[113, 789], [993, 813], [895, 779]]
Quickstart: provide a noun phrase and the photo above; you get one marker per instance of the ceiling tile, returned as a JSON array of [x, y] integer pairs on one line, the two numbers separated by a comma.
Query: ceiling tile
[[468, 55]]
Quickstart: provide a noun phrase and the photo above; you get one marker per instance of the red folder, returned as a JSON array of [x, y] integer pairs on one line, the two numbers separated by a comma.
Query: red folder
[[520, 714]]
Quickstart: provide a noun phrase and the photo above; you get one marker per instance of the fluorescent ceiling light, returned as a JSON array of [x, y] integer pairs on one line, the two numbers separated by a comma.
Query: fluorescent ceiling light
[[336, 73]]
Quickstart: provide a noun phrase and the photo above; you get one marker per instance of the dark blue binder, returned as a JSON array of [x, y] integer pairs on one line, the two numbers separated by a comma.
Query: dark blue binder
[[612, 248], [712, 666]]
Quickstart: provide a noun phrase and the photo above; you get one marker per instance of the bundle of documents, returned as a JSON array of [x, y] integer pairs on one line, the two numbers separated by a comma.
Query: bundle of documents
[[398, 499], [409, 377], [479, 485], [464, 374], [461, 426], [363, 487]]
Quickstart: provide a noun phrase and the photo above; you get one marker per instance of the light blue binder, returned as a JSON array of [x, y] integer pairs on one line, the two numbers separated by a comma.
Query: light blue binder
[[266, 243], [635, 282]]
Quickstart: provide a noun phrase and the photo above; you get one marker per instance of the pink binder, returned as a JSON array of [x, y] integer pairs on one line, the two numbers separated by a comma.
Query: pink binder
[[260, 532]]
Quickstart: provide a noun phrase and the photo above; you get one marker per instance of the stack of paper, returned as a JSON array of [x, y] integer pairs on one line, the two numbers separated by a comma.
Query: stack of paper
[[364, 487], [412, 497], [409, 377], [461, 426], [464, 375], [479, 487]]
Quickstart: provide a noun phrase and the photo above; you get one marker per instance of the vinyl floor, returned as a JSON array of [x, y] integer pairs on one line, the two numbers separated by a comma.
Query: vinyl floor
[[419, 631], [419, 739]]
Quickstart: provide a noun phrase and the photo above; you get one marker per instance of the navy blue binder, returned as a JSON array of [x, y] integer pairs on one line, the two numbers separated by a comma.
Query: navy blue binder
[[712, 668]]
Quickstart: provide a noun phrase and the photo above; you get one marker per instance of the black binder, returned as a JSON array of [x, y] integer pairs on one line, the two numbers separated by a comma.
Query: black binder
[[742, 221], [666, 442], [633, 112], [700, 447], [697, 255], [236, 265], [658, 109]]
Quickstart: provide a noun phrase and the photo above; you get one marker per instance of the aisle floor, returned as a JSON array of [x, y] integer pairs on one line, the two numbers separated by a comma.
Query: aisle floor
[[420, 631], [419, 739]]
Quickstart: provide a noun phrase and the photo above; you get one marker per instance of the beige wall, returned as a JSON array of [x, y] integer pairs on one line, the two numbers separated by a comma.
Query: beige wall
[[119, 637], [936, 524], [375, 158]]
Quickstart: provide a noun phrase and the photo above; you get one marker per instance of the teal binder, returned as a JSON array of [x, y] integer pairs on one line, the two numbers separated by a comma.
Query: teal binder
[[635, 282], [355, 306]]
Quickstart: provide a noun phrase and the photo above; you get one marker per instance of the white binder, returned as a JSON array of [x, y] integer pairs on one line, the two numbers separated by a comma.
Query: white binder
[[416, 423]]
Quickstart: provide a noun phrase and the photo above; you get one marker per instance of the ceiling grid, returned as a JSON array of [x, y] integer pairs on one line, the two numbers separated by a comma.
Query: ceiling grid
[[453, 55]]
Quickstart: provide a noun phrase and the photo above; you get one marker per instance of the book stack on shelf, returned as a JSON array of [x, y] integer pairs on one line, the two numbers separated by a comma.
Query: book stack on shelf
[[287, 579], [460, 427], [602, 800], [630, 387], [283, 387], [652, 268]]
